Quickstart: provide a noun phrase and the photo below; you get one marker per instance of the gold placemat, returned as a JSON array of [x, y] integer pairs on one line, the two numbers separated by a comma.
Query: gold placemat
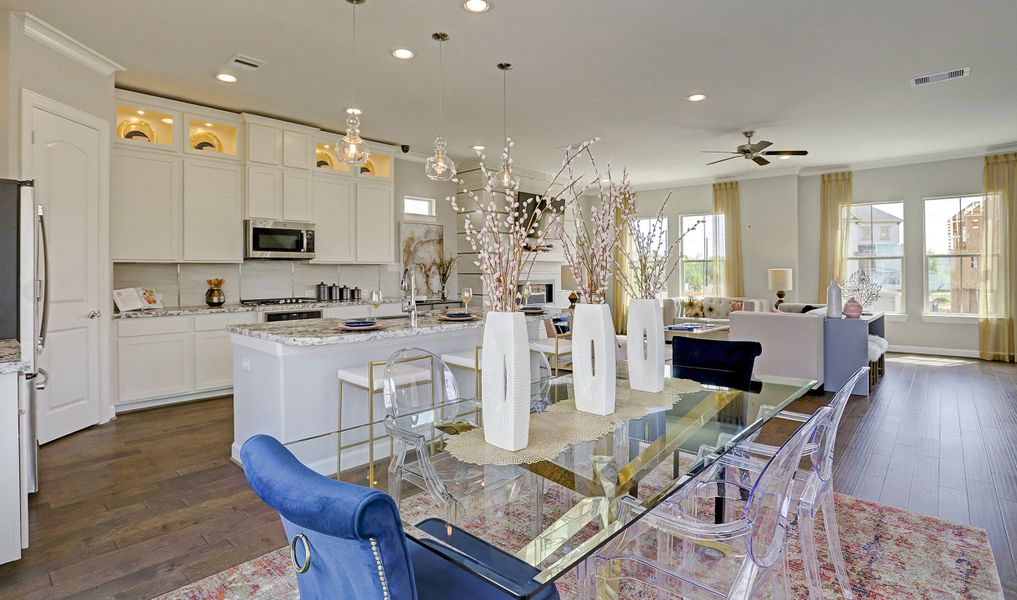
[[562, 426]]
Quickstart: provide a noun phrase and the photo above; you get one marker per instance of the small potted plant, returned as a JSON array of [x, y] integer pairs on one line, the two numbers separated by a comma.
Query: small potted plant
[[442, 266]]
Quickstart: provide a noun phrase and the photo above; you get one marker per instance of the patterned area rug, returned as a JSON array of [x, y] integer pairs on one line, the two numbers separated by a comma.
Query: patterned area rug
[[891, 553]]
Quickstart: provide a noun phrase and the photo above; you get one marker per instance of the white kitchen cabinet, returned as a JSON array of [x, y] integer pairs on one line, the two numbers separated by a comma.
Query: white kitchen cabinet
[[264, 144], [264, 192], [298, 150], [334, 215], [375, 229], [13, 496], [296, 197], [212, 211], [145, 206], [213, 360], [155, 366]]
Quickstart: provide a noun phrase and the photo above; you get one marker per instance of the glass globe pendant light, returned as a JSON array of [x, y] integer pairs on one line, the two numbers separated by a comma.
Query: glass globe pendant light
[[351, 148], [439, 167], [506, 178]]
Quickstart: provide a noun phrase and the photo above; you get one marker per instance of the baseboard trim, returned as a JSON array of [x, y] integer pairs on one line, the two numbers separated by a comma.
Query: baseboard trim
[[934, 351], [157, 402]]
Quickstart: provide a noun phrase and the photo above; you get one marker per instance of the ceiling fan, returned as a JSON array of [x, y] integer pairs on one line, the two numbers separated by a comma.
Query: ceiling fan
[[754, 152]]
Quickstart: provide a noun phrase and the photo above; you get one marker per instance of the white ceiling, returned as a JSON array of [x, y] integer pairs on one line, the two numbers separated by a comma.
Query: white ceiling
[[826, 75]]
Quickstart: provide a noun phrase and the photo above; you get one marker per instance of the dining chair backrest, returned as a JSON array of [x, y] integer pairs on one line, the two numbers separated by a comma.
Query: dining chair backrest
[[540, 375], [826, 434], [715, 362], [767, 505], [416, 379], [347, 540]]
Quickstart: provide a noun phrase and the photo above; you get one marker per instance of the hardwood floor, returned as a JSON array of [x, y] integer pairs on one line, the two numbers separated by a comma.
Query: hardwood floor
[[150, 501]]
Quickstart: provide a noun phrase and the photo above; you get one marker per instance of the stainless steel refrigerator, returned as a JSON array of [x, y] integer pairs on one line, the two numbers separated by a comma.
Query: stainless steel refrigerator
[[24, 302]]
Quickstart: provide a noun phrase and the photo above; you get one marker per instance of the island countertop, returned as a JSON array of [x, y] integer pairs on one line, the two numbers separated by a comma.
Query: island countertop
[[326, 332]]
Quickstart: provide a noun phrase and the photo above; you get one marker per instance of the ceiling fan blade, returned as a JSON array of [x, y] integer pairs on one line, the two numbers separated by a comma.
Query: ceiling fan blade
[[759, 160], [721, 160], [760, 146], [786, 152], [718, 152]]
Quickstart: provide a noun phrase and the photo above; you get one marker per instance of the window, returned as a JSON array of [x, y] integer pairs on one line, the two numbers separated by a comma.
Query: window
[[418, 206], [702, 255], [883, 258], [953, 253]]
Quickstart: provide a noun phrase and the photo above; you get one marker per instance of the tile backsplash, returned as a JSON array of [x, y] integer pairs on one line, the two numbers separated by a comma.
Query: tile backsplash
[[185, 284]]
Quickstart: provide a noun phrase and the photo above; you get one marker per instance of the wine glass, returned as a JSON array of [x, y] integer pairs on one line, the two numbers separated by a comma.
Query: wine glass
[[375, 303], [467, 296], [527, 291]]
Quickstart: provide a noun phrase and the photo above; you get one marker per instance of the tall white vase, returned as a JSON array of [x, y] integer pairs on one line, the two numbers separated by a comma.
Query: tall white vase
[[505, 380], [834, 304], [594, 359], [645, 333]]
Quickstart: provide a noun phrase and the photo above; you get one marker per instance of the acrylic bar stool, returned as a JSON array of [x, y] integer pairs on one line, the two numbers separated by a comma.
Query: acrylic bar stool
[[370, 378], [468, 360]]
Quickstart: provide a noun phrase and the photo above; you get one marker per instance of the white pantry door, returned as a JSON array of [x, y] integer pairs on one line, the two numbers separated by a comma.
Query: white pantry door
[[65, 166]]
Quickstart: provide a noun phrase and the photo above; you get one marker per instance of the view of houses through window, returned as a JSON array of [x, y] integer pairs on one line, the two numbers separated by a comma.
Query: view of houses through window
[[876, 246], [953, 246], [702, 255]]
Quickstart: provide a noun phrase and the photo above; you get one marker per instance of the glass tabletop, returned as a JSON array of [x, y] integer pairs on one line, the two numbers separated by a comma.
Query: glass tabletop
[[538, 520]]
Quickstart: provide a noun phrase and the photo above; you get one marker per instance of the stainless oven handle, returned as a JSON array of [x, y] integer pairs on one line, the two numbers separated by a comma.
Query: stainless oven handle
[[44, 321]]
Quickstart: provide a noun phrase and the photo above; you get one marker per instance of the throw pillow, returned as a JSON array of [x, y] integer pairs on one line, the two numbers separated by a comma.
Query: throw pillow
[[807, 308], [692, 308], [737, 305], [818, 311]]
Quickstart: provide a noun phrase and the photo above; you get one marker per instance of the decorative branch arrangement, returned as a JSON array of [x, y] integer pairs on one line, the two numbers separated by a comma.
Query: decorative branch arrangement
[[505, 227], [443, 266], [588, 252], [864, 290], [650, 256]]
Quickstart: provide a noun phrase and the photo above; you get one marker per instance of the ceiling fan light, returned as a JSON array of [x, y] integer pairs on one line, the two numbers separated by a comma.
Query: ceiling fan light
[[785, 156]]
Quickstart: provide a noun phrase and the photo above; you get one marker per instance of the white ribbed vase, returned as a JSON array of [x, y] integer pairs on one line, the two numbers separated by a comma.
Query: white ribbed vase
[[594, 359], [645, 335], [505, 380]]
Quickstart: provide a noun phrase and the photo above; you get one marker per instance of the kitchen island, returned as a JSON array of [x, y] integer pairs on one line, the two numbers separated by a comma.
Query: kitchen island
[[285, 381]]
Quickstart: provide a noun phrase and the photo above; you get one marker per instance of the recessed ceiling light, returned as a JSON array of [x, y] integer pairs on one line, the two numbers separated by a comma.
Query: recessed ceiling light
[[403, 53], [696, 97], [167, 120], [478, 148], [477, 6], [208, 124], [353, 111], [141, 112], [226, 77]]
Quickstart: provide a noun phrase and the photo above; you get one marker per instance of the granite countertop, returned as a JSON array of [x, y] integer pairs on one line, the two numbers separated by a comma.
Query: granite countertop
[[201, 309], [10, 357], [325, 332]]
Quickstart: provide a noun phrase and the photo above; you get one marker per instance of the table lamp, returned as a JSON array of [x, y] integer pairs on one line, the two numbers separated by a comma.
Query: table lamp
[[568, 282], [780, 281]]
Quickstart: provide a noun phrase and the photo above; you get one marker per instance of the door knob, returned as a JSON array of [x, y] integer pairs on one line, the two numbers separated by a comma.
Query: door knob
[[94, 314]]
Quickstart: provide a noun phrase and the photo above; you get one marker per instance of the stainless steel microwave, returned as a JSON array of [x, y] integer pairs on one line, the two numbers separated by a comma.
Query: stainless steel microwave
[[265, 238]]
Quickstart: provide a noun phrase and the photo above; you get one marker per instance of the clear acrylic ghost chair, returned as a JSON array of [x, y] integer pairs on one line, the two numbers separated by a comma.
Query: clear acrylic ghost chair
[[677, 555], [812, 490], [418, 417]]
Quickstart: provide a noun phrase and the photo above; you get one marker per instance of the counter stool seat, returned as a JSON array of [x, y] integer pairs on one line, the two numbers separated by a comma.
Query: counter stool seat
[[466, 359], [547, 346], [403, 375]]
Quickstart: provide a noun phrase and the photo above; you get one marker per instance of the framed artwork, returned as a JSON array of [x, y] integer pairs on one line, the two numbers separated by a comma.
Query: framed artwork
[[420, 243]]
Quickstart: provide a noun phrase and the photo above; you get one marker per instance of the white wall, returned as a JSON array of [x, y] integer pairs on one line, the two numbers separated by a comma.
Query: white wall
[[780, 228], [30, 65], [411, 181]]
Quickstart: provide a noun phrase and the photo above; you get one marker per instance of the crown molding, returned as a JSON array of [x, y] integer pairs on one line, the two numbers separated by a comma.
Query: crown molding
[[43, 32]]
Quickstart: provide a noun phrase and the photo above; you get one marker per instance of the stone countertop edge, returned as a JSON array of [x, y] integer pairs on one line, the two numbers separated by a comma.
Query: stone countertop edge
[[198, 309], [10, 357], [325, 332]]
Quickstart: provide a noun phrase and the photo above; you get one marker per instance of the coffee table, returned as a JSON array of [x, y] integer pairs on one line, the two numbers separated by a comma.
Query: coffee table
[[696, 329]]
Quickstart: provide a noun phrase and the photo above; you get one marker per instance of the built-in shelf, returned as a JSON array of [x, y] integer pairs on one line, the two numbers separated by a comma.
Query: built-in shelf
[[141, 125], [208, 136]]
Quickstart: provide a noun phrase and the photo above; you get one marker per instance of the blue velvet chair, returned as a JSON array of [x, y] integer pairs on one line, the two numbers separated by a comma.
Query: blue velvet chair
[[348, 541], [715, 362]]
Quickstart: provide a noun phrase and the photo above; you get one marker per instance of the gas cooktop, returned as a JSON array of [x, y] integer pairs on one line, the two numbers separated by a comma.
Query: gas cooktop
[[272, 301]]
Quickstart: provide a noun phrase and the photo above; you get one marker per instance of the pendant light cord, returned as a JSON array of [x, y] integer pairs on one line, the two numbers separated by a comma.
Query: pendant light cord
[[441, 88], [353, 76], [504, 103]]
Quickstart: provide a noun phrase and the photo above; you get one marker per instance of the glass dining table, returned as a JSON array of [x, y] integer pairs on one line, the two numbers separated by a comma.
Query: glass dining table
[[522, 527]]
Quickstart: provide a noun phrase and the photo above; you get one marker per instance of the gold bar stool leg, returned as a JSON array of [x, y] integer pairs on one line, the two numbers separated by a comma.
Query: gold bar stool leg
[[339, 437], [370, 427]]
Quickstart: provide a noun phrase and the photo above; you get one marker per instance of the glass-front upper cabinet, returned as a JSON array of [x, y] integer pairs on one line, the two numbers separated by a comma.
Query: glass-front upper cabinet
[[378, 166], [212, 136], [325, 159], [147, 126]]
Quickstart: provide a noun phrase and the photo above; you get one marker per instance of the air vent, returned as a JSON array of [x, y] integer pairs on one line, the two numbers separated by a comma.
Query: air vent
[[939, 77], [246, 63]]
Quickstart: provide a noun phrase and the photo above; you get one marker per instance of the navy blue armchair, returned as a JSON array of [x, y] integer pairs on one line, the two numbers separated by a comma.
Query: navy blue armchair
[[715, 362], [348, 541]]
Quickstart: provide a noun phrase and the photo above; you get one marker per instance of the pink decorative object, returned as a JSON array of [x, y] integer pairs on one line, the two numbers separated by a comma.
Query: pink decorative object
[[737, 305], [852, 308]]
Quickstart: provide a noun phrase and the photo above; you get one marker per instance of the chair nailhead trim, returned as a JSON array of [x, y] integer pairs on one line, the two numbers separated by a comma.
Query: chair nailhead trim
[[381, 569]]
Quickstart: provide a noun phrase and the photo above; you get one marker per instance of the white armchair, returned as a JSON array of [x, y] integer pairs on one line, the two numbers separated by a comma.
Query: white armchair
[[792, 343]]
